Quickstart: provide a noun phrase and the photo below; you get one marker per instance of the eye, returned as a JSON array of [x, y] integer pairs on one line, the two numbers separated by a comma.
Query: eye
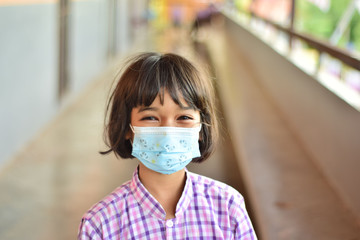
[[149, 118], [185, 117]]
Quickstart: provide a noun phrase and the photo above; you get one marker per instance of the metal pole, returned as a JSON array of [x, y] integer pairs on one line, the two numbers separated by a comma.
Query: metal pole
[[63, 48], [292, 19]]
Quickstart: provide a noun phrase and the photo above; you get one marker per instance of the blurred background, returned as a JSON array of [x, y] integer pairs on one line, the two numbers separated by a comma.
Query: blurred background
[[287, 76]]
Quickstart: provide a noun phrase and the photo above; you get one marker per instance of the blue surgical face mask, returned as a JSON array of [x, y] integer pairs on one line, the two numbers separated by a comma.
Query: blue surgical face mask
[[165, 149]]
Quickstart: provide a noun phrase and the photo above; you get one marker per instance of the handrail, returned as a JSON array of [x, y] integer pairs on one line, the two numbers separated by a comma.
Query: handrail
[[341, 54]]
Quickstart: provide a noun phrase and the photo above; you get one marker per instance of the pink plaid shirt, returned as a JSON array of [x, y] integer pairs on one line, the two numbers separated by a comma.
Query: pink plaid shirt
[[207, 209]]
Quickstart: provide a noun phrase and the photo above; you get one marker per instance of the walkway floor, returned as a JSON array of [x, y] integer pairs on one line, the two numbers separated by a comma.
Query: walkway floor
[[60, 174], [290, 196]]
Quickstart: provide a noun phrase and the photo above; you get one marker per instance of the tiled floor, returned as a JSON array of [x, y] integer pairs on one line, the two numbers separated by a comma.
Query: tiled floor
[[60, 174]]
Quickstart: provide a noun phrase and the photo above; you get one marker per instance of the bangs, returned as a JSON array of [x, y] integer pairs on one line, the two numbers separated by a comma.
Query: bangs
[[160, 73]]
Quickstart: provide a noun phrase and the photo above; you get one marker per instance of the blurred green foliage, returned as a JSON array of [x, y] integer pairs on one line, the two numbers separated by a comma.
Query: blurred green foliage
[[321, 24]]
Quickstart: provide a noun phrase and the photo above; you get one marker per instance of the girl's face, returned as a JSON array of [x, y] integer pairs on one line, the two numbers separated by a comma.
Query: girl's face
[[167, 115]]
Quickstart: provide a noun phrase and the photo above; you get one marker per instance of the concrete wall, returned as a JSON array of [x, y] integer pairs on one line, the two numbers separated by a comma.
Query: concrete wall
[[29, 61], [326, 127], [28, 73], [123, 19], [88, 37]]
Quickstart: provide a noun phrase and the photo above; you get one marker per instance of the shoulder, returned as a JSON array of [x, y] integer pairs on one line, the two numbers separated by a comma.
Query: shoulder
[[210, 187], [225, 200], [226, 203], [108, 215], [109, 205]]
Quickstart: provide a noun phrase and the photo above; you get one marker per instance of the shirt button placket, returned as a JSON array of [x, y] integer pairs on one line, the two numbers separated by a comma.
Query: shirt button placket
[[169, 229], [169, 223]]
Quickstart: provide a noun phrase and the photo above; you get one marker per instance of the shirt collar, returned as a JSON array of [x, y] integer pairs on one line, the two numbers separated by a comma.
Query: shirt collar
[[147, 202], [151, 206], [186, 196]]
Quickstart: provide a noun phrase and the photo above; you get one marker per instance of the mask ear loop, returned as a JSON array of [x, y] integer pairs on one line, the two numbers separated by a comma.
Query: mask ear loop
[[133, 130], [198, 127]]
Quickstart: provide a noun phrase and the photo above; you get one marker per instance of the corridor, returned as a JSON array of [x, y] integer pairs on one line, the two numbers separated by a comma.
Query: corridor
[[288, 143], [59, 175]]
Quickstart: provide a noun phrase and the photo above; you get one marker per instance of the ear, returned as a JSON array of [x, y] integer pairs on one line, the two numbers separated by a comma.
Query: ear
[[129, 135]]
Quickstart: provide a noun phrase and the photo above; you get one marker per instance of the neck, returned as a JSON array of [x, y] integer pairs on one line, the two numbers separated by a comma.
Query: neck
[[166, 189]]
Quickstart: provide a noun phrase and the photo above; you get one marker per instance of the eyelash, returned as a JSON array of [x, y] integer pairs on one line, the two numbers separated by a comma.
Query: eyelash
[[184, 117], [181, 118], [149, 118]]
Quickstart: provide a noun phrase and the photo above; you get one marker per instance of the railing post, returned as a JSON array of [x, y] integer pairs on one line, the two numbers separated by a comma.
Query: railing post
[[291, 27]]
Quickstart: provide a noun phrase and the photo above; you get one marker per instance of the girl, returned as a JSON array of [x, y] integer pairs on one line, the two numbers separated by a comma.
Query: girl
[[162, 112]]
